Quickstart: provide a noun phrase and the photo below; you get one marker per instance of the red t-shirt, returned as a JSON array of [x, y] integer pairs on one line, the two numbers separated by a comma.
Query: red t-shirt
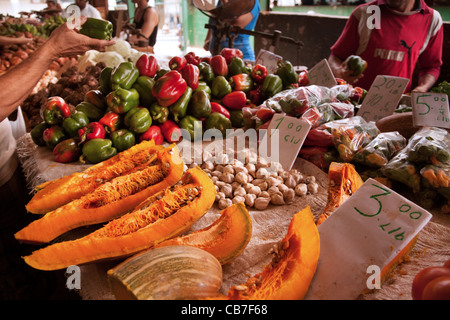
[[396, 45]]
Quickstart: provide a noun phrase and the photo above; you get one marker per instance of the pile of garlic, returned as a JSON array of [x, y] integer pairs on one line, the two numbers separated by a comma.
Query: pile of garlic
[[256, 182]]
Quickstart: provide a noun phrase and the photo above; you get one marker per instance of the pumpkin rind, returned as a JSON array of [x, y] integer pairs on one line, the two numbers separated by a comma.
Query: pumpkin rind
[[108, 201], [343, 181], [291, 271], [170, 272], [131, 233], [54, 194], [225, 239]]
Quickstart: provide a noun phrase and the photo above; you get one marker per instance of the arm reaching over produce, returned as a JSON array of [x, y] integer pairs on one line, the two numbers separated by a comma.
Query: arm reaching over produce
[[21, 79]]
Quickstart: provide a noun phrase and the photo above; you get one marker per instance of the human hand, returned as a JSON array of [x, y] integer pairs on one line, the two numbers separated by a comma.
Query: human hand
[[21, 40], [67, 42], [420, 89], [344, 73]]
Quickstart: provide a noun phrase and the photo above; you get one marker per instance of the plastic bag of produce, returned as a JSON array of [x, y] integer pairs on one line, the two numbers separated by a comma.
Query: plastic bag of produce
[[429, 145], [380, 150], [326, 112], [401, 170], [437, 177]]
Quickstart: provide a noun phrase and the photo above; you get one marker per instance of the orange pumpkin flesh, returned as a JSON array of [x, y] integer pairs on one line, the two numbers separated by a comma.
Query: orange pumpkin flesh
[[225, 239], [344, 180], [164, 215], [290, 273], [54, 194], [108, 201]]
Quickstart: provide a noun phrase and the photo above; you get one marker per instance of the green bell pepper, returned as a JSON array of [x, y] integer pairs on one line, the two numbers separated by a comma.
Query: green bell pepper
[[193, 126], [355, 64], [158, 113], [236, 66], [272, 85], [97, 98], [124, 76], [218, 121], [122, 100], [206, 72], [97, 29], [203, 86], [53, 135], [36, 133], [286, 72], [76, 121], [123, 139], [104, 81], [220, 87], [237, 118], [138, 120], [179, 108], [97, 150], [144, 85], [91, 111], [199, 105]]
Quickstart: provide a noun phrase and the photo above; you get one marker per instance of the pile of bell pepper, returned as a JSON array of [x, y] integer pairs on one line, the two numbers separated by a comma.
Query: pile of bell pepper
[[141, 101]]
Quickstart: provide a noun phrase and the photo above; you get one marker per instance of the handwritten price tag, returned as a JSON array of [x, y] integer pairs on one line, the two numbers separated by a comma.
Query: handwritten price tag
[[268, 59], [383, 97], [430, 109], [321, 75], [365, 233], [290, 133]]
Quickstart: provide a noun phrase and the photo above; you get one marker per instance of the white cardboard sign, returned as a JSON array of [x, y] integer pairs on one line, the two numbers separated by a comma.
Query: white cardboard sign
[[364, 234], [383, 97], [321, 75], [268, 59], [290, 133], [430, 109]]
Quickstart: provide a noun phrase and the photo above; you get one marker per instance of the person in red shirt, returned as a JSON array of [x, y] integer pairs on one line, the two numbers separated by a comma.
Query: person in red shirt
[[405, 33]]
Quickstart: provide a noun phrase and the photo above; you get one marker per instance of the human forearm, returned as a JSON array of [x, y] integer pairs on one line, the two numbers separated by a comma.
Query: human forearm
[[18, 83], [425, 83]]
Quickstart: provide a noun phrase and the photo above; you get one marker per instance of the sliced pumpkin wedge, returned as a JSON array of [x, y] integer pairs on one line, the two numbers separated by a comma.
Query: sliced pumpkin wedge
[[291, 271], [53, 194], [225, 239], [164, 215], [343, 181], [108, 201]]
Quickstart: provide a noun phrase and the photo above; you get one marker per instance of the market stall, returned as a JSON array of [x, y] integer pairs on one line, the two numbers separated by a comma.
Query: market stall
[[104, 135]]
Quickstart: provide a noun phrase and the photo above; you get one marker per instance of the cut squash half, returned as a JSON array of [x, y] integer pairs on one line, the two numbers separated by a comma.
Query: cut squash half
[[53, 194], [108, 201], [164, 215]]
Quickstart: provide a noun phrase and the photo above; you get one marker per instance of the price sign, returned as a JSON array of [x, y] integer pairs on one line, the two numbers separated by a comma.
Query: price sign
[[382, 98], [268, 59], [290, 133], [430, 109], [365, 233], [321, 75]]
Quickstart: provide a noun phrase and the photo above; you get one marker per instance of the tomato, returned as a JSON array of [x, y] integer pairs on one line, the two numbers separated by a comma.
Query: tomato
[[425, 276], [437, 289]]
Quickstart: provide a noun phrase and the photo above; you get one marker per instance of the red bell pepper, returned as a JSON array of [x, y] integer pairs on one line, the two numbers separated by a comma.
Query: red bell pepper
[[94, 130], [55, 110], [217, 107], [171, 131], [147, 65], [153, 133], [340, 81], [206, 59], [235, 100], [177, 63], [192, 58], [303, 78], [169, 88], [67, 151], [259, 73], [219, 65], [191, 74], [111, 121], [241, 82], [229, 53], [255, 96], [265, 113]]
